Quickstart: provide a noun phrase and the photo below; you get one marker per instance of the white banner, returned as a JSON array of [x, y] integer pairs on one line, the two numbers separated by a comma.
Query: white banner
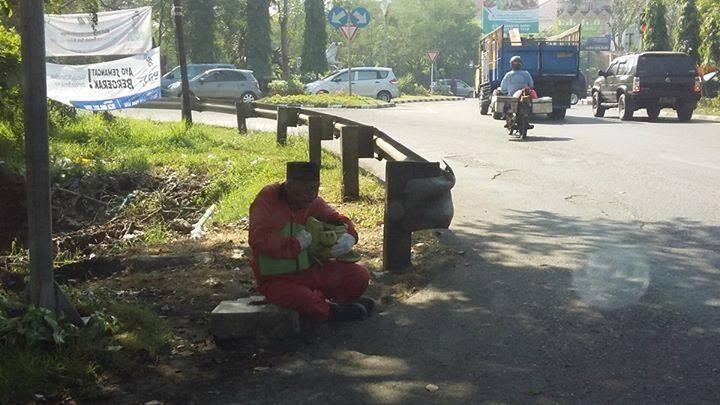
[[122, 32], [106, 86]]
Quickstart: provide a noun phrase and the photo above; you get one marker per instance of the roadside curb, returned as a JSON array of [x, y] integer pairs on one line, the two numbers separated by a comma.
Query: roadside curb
[[339, 106], [427, 100], [695, 116]]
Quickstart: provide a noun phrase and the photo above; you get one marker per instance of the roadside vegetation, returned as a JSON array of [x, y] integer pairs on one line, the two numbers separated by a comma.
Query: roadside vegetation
[[709, 106], [126, 194], [322, 100]]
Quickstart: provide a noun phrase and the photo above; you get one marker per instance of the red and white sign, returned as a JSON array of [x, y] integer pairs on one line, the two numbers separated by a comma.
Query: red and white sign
[[349, 32], [432, 55]]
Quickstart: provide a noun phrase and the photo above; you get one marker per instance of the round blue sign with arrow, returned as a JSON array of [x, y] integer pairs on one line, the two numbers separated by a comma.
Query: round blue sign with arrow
[[360, 17], [337, 17]]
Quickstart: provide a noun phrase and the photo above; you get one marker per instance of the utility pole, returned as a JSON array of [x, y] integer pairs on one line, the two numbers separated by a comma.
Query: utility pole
[[186, 110], [42, 278], [43, 291]]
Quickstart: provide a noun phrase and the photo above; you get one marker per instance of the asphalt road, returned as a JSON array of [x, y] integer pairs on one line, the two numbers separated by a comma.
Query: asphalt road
[[591, 272]]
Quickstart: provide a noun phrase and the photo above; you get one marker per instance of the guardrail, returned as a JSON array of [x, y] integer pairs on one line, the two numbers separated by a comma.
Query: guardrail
[[418, 192]]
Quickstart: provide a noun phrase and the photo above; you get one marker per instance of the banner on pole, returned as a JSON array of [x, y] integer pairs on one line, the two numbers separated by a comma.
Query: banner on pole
[[106, 86], [122, 32]]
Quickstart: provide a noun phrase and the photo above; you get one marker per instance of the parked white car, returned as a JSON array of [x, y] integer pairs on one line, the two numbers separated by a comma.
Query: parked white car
[[377, 82]]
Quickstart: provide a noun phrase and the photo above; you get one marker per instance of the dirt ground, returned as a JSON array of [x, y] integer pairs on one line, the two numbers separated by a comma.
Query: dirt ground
[[102, 247]]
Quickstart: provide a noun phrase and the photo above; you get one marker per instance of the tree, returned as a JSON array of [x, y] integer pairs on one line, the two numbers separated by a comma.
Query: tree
[[200, 31], [259, 46], [315, 38], [231, 30], [625, 16], [655, 35], [283, 7], [687, 30], [710, 34]]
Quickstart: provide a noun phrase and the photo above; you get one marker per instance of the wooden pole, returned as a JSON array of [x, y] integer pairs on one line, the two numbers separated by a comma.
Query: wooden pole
[[42, 279], [315, 133], [186, 108]]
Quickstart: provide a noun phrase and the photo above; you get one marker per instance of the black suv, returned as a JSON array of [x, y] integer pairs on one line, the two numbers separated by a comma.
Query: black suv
[[650, 80]]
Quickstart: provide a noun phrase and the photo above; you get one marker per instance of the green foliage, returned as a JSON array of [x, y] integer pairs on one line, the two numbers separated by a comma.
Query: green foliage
[[41, 353], [710, 33], [321, 100], [687, 30], [656, 36], [259, 46], [200, 32], [315, 38], [408, 86], [285, 88]]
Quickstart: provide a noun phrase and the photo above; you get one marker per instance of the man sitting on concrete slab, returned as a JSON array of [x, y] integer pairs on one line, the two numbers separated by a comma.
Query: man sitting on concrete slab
[[285, 271]]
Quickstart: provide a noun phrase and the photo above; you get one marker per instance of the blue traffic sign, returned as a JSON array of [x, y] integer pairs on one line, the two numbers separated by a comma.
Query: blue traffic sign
[[337, 17], [360, 17]]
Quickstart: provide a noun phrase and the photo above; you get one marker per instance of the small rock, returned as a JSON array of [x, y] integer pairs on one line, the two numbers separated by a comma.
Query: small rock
[[460, 252], [431, 388], [180, 225], [260, 369], [154, 402]]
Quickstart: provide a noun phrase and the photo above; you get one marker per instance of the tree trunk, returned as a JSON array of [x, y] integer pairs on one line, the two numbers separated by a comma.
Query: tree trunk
[[284, 41]]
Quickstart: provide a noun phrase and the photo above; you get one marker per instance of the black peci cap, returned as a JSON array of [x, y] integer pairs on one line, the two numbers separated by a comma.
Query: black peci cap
[[302, 171]]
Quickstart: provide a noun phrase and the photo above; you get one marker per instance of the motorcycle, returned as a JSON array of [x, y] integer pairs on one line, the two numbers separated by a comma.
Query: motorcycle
[[517, 119]]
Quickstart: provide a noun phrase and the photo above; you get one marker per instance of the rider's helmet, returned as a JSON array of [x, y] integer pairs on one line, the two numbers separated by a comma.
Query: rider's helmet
[[516, 60]]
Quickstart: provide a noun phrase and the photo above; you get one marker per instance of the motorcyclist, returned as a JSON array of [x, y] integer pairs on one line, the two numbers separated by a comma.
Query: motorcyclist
[[516, 79]]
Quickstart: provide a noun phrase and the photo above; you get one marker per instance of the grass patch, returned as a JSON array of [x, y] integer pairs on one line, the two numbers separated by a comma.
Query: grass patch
[[238, 166], [322, 100], [119, 338]]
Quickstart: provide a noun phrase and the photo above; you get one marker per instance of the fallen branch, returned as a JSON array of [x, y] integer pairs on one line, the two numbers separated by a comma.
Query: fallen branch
[[75, 193]]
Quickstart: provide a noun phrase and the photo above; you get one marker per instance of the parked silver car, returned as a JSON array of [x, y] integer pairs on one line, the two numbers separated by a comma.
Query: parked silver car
[[445, 85], [377, 82], [222, 83], [193, 70]]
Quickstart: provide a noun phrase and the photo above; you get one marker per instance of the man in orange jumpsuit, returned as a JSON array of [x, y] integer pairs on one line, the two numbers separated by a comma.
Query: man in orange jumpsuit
[[284, 271]]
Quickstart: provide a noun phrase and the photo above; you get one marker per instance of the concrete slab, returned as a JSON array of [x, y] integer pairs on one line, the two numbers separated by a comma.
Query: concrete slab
[[252, 318]]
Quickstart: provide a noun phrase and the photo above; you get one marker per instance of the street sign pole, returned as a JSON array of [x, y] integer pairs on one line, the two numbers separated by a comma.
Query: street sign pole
[[349, 44], [432, 76], [180, 36]]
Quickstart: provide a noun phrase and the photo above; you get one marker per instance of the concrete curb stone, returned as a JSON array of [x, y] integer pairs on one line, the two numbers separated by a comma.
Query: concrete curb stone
[[431, 99]]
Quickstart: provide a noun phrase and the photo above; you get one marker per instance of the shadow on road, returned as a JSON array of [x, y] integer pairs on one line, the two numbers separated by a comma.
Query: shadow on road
[[541, 139], [573, 120], [636, 321]]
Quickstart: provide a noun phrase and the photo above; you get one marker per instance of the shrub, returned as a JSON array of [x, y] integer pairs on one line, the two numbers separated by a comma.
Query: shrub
[[278, 88], [406, 84]]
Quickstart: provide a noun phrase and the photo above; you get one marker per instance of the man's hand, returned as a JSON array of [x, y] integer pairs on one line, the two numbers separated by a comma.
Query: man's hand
[[343, 245], [305, 238]]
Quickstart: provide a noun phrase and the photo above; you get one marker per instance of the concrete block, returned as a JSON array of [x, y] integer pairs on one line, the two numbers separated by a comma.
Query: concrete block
[[253, 318]]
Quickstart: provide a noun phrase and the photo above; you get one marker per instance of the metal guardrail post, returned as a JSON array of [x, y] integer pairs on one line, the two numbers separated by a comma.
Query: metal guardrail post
[[417, 197], [243, 111], [315, 139], [357, 142], [350, 164], [286, 117]]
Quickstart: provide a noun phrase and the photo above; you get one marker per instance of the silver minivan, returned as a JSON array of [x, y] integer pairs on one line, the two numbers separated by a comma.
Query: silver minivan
[[193, 69], [376, 82], [234, 84]]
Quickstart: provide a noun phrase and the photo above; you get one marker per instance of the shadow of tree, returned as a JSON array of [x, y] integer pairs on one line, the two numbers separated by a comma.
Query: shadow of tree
[[635, 319]]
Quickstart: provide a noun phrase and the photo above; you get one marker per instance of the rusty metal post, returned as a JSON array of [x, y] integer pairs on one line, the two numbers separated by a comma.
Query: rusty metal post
[[241, 111], [350, 163], [286, 117], [315, 137]]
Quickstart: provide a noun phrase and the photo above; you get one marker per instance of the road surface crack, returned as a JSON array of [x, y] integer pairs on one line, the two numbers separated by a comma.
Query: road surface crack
[[499, 173]]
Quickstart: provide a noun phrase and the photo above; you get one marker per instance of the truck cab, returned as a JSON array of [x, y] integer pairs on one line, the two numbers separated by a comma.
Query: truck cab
[[553, 63]]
